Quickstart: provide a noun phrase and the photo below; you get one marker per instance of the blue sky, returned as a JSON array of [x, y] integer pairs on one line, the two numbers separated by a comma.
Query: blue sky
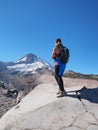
[[31, 26]]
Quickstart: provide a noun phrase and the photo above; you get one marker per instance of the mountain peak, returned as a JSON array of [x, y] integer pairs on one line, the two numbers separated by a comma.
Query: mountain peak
[[31, 55], [29, 58]]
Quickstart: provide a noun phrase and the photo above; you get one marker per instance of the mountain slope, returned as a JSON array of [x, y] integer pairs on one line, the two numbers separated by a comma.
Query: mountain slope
[[72, 74]]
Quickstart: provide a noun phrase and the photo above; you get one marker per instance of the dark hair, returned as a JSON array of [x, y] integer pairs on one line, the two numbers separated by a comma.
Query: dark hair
[[58, 40]]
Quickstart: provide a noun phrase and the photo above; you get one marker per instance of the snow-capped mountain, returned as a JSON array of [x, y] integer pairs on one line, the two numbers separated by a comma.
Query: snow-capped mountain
[[29, 58], [25, 72], [30, 64]]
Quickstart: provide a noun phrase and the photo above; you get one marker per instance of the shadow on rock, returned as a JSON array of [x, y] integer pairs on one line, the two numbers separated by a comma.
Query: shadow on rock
[[85, 93]]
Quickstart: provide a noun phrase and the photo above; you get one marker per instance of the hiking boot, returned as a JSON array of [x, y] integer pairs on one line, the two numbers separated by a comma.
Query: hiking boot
[[62, 94], [58, 92]]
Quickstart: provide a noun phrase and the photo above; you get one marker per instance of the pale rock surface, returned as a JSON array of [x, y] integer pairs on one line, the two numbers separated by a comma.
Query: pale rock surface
[[42, 110]]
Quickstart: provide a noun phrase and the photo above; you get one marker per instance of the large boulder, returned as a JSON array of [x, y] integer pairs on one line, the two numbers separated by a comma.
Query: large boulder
[[42, 110]]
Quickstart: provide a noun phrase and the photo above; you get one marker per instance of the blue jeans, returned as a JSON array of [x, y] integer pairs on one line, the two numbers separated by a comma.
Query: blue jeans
[[61, 65]]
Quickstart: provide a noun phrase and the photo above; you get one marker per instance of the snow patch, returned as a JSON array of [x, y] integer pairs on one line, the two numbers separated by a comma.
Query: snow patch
[[27, 67], [21, 60]]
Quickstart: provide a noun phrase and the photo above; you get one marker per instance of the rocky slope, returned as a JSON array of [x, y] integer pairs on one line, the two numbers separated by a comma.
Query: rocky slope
[[77, 111]]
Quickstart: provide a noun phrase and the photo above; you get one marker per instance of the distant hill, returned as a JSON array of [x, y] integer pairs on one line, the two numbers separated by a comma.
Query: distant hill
[[72, 74]]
